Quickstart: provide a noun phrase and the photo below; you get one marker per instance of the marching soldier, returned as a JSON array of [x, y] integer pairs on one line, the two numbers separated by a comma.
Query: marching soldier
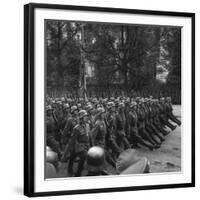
[[135, 138], [70, 124], [120, 127], [79, 144], [58, 117], [156, 118], [141, 125], [111, 129], [51, 131], [91, 115], [66, 114], [169, 111], [98, 134], [163, 115], [152, 130]]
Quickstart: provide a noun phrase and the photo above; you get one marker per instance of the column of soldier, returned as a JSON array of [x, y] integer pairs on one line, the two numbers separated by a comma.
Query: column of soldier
[[114, 124]]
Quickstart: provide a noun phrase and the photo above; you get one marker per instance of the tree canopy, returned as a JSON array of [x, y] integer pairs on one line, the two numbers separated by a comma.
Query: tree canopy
[[129, 56]]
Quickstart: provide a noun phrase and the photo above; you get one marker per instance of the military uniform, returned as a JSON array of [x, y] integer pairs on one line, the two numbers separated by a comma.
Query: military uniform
[[67, 132], [111, 134], [151, 129], [156, 119], [58, 116], [141, 126], [79, 145], [51, 139], [120, 130], [163, 116], [135, 138], [98, 134], [170, 115]]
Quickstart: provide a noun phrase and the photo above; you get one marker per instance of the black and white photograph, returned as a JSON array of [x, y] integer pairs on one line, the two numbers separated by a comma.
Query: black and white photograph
[[109, 99], [113, 99]]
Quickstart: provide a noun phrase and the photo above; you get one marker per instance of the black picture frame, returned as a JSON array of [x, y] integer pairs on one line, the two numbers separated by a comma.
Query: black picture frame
[[29, 94]]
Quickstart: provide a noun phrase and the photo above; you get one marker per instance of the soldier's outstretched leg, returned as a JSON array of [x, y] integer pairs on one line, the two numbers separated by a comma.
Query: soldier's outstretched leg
[[165, 121], [174, 119], [121, 139], [126, 143], [133, 139], [152, 135], [157, 132], [111, 144], [143, 142], [82, 156], [171, 126], [71, 163], [161, 129], [145, 136]]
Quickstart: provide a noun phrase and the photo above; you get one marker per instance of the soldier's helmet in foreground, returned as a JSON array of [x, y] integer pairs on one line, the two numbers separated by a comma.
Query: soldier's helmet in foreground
[[95, 159], [51, 156], [51, 162]]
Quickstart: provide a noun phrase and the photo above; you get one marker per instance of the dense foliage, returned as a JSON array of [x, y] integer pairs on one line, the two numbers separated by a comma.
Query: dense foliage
[[123, 56]]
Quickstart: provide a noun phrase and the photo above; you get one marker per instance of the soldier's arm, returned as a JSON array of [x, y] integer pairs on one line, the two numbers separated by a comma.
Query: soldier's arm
[[67, 128], [117, 121], [69, 146], [94, 132], [129, 117]]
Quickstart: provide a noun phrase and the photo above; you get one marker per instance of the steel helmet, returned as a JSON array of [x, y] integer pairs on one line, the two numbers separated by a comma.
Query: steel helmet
[[121, 104], [133, 104], [95, 159], [51, 156], [73, 108], [110, 104], [48, 148], [59, 103], [62, 98], [66, 106], [82, 113], [89, 107], [49, 107], [168, 99], [100, 110]]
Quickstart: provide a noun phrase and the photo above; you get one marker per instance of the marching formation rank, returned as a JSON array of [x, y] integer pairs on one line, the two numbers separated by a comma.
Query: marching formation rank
[[100, 130]]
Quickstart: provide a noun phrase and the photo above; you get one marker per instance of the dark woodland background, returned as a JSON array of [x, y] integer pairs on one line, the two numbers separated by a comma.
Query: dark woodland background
[[115, 59]]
